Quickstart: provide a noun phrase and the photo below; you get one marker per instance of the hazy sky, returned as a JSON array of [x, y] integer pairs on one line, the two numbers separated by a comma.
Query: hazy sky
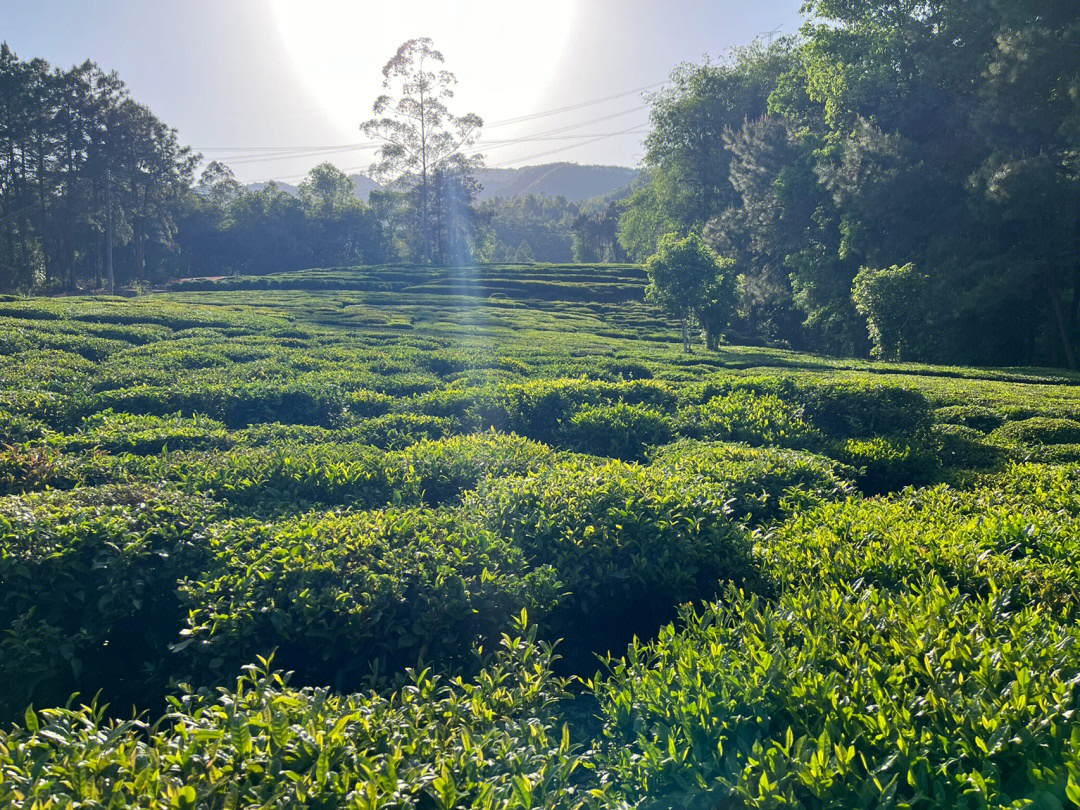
[[274, 86]]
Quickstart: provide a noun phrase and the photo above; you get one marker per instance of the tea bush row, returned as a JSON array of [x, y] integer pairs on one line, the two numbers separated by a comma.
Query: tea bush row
[[493, 741], [127, 586], [850, 696]]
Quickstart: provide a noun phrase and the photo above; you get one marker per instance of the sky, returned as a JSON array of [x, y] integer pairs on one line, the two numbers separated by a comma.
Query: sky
[[272, 87]]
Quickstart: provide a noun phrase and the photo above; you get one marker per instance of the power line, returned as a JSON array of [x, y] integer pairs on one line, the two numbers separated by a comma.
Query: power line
[[591, 138], [488, 125], [573, 106], [557, 133], [564, 148]]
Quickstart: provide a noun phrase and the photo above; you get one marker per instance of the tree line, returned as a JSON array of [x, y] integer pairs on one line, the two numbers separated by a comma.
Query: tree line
[[75, 148], [901, 179]]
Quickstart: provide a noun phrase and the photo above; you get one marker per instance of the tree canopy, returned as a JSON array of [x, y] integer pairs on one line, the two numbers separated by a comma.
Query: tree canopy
[[942, 133]]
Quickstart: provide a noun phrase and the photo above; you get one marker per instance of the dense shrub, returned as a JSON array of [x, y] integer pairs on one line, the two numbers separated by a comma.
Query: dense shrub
[[436, 472], [16, 428], [88, 591], [539, 409], [1040, 430], [889, 463], [620, 431], [393, 431], [144, 434], [627, 543], [847, 697], [981, 542], [851, 409], [493, 741], [237, 405], [840, 409], [965, 448], [977, 417], [331, 490], [28, 468], [757, 485], [743, 416], [288, 477], [267, 434], [338, 595]]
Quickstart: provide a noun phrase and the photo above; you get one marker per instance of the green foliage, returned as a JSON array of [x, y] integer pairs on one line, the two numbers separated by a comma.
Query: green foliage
[[437, 472], [494, 741], [339, 595], [757, 485], [965, 449], [88, 596], [1018, 540], [976, 417], [16, 428], [894, 303], [360, 478], [690, 282], [1040, 430], [744, 416], [887, 463], [837, 408], [620, 430], [846, 697], [145, 434], [627, 543]]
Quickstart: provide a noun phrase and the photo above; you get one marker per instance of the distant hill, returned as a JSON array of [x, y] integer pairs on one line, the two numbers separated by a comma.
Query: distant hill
[[364, 186], [572, 180]]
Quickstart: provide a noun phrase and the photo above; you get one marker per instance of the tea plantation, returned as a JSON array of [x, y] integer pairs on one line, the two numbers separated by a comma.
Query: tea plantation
[[409, 538]]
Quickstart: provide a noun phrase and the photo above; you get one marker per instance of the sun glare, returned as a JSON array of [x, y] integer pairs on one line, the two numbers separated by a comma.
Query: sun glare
[[505, 54]]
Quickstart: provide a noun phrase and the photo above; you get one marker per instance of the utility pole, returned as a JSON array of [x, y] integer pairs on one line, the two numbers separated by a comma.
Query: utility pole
[[108, 232], [770, 34]]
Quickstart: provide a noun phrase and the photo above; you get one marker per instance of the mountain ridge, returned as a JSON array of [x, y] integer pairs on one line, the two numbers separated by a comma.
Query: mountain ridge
[[576, 181]]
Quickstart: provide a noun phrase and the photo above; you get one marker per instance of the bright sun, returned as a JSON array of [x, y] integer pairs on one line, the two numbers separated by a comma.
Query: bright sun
[[504, 52]]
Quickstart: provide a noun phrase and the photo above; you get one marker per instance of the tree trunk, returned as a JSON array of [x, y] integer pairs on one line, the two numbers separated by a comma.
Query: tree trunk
[[712, 340], [140, 252], [1063, 329]]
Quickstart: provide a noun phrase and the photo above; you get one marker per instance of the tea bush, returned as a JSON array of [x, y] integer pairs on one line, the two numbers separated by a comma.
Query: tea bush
[[289, 477], [1040, 430], [847, 697], [88, 590], [437, 472], [494, 741], [888, 463], [966, 449], [17, 428], [620, 430], [361, 468], [980, 542], [743, 416], [628, 543], [757, 485], [394, 431], [237, 405], [976, 417], [335, 596], [839, 409], [28, 468], [145, 434]]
